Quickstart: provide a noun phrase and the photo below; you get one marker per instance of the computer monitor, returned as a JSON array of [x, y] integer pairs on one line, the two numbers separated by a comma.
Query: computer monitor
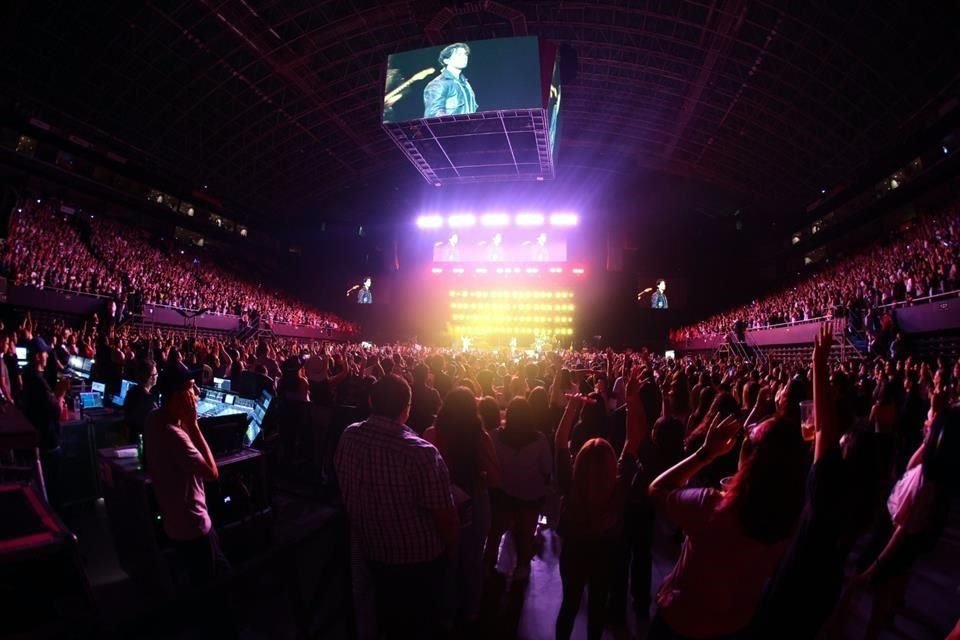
[[221, 384], [256, 424], [100, 387], [229, 398], [21, 356], [125, 386], [80, 367], [265, 399], [91, 400]]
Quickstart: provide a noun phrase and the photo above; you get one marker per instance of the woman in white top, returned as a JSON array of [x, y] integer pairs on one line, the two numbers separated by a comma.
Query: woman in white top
[[525, 461]]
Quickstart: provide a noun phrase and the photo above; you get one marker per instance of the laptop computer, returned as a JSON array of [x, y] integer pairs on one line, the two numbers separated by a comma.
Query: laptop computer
[[125, 386], [92, 403], [100, 387]]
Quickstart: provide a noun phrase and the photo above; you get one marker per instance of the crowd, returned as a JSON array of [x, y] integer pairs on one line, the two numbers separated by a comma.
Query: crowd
[[47, 249], [921, 262], [792, 483]]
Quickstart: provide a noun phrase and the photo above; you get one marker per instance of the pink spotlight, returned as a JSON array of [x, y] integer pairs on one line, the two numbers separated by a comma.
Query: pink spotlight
[[481, 269], [429, 222], [564, 219], [494, 220], [529, 219], [460, 220], [458, 270], [578, 271], [436, 270], [556, 270], [533, 270]]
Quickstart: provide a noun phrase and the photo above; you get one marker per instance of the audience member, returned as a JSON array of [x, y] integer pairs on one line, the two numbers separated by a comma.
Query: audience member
[[396, 489]]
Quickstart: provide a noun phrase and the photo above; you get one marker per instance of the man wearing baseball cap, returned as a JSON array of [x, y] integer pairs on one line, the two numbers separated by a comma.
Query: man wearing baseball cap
[[41, 406]]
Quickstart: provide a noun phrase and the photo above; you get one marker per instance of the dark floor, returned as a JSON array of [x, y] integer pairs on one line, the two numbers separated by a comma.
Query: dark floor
[[264, 610]]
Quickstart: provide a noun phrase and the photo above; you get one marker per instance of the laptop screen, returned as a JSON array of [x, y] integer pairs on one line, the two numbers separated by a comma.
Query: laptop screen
[[265, 399], [99, 386], [91, 400], [125, 386], [222, 384]]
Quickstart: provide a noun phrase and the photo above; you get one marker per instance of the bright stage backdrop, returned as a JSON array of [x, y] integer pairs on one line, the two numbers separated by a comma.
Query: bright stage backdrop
[[506, 277]]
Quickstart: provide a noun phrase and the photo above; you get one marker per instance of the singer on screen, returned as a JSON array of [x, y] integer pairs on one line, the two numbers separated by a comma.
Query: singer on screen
[[659, 298], [450, 93], [364, 295]]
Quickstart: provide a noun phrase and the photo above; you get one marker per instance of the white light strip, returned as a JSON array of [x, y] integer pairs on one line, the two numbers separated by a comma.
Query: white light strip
[[529, 219], [564, 219], [429, 222], [461, 220], [495, 220]]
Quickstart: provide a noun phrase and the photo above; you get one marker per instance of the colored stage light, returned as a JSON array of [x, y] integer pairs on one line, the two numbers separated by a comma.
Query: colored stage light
[[495, 220], [481, 269], [458, 269], [461, 220], [429, 222], [529, 219], [436, 270], [564, 219], [533, 270], [578, 271]]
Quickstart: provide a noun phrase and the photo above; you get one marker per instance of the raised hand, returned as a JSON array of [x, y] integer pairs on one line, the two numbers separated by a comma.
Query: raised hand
[[822, 344], [721, 437]]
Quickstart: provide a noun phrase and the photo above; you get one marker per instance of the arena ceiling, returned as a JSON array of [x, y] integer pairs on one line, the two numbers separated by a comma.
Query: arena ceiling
[[276, 104]]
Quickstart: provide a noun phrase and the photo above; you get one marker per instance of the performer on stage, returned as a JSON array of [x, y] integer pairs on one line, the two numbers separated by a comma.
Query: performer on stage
[[495, 252], [450, 93], [365, 296], [540, 252], [659, 298], [451, 252]]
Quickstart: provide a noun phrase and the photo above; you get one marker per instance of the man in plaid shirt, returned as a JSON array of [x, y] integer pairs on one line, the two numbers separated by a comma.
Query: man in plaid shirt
[[397, 494]]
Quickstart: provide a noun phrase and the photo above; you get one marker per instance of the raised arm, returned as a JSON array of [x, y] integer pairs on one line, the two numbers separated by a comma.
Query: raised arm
[[720, 440], [570, 415], [638, 429], [824, 416]]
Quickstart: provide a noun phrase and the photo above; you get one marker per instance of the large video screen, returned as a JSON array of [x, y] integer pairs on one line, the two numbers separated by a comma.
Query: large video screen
[[463, 77], [535, 246]]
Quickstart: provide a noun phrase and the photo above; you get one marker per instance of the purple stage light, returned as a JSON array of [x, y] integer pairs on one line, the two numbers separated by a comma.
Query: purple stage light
[[429, 222]]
